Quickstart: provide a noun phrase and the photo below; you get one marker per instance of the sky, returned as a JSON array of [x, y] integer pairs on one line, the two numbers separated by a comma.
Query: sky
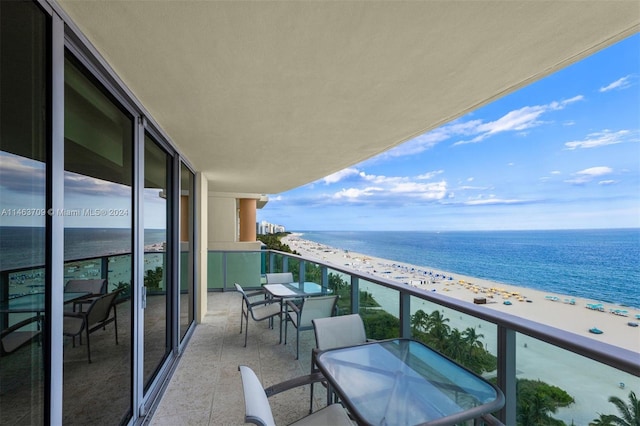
[[561, 153]]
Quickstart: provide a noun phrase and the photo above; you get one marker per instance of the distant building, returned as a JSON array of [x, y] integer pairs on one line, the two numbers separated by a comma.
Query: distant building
[[265, 227]]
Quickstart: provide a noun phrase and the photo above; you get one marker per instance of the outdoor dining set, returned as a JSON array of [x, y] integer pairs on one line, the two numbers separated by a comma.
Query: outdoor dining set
[[398, 381]]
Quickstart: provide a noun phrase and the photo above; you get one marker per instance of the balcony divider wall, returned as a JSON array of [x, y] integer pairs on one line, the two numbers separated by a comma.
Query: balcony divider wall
[[73, 177]]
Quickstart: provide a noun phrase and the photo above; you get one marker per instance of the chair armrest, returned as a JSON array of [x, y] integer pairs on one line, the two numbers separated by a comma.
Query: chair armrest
[[263, 302], [294, 383], [255, 293], [19, 325], [293, 307], [80, 315]]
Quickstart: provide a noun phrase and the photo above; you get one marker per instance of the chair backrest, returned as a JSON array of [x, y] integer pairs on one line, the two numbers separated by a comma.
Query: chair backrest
[[94, 286], [256, 405], [244, 295], [336, 332], [317, 307], [279, 278], [101, 308]]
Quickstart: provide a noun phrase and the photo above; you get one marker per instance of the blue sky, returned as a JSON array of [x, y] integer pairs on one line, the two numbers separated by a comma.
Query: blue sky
[[562, 153]]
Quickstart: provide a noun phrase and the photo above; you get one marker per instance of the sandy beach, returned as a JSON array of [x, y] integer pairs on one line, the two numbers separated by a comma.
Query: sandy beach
[[588, 382]]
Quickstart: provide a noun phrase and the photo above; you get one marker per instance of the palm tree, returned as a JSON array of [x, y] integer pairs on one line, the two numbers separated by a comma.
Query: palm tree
[[629, 414], [438, 329], [420, 320]]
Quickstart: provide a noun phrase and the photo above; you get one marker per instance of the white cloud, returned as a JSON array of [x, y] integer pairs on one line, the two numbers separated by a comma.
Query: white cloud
[[430, 175], [619, 84], [608, 182], [491, 201], [355, 193], [338, 176], [517, 120], [588, 175], [605, 137]]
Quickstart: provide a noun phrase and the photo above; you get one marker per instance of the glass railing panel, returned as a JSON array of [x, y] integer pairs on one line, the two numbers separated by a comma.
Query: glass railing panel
[[243, 268], [340, 284], [312, 272], [154, 272], [83, 269], [276, 262], [464, 338], [215, 270], [380, 310], [581, 388], [119, 275], [25, 282], [293, 266]]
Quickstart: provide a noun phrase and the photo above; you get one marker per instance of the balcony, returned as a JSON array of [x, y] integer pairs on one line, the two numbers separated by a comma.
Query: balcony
[[205, 387]]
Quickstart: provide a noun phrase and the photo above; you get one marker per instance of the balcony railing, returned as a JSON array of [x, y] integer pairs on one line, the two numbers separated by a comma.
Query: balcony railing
[[588, 370]]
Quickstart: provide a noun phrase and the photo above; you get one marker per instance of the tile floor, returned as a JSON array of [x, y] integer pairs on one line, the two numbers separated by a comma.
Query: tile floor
[[206, 389]]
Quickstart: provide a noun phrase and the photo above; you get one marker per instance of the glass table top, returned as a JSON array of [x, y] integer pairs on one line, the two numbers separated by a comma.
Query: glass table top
[[404, 382]]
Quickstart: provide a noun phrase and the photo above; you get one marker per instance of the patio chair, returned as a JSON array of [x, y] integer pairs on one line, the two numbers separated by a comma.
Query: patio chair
[[260, 310], [95, 288], [310, 309], [97, 316], [335, 332], [258, 411], [279, 278]]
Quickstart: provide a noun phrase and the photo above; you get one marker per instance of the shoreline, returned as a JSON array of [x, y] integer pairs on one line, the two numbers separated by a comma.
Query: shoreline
[[574, 314]]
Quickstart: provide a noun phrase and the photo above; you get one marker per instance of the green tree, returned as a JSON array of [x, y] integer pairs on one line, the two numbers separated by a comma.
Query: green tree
[[153, 278], [537, 401], [419, 321], [629, 413]]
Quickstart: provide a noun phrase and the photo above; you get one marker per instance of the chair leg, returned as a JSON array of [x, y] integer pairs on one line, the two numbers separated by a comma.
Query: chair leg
[[297, 341], [88, 346], [115, 322], [246, 332]]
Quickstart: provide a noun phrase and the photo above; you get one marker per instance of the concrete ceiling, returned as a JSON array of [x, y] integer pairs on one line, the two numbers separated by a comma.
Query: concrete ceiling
[[265, 96]]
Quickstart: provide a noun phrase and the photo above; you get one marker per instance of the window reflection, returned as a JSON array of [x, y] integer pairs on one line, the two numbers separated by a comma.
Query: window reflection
[[23, 123], [98, 241]]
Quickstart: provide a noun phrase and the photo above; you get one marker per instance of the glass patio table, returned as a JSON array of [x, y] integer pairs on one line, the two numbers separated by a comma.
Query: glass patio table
[[295, 290], [404, 382]]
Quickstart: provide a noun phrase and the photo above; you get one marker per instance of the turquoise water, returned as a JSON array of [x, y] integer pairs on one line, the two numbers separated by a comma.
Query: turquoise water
[[602, 264]]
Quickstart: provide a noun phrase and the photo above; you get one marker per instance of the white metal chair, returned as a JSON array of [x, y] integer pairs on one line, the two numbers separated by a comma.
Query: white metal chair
[[301, 316], [258, 411], [260, 310], [336, 332], [279, 278]]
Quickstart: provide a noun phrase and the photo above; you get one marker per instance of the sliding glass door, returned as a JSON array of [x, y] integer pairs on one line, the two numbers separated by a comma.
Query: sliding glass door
[[24, 121], [98, 210], [157, 258]]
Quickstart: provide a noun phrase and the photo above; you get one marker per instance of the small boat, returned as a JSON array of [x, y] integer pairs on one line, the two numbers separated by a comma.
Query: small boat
[[632, 324], [595, 330], [507, 302]]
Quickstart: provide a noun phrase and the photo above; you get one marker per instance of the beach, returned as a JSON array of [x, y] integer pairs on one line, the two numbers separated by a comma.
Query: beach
[[557, 310], [588, 382]]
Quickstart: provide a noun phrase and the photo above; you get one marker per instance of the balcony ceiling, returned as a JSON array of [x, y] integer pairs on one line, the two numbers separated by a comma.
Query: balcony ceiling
[[266, 96]]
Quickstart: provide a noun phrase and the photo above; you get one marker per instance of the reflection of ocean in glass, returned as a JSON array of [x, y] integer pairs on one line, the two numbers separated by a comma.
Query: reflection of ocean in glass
[[17, 244]]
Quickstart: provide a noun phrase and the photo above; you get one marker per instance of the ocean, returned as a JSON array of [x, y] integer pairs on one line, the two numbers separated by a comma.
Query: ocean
[[24, 246], [600, 264]]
